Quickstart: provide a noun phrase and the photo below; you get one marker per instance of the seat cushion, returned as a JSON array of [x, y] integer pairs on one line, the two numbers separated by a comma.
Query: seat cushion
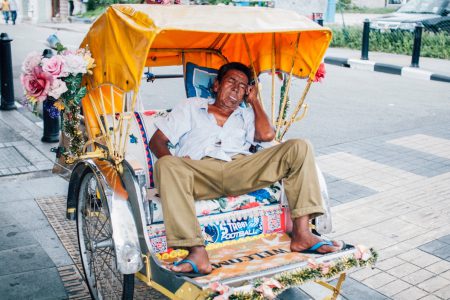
[[266, 196]]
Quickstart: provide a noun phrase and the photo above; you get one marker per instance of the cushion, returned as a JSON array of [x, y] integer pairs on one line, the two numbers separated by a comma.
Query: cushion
[[199, 81], [266, 196]]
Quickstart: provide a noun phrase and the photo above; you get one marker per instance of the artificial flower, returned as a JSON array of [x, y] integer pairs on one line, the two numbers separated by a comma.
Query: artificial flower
[[57, 88], [219, 288], [54, 66], [90, 62], [266, 291], [320, 74], [272, 283], [31, 61], [59, 105], [37, 84], [362, 252], [75, 64], [325, 268], [312, 263]]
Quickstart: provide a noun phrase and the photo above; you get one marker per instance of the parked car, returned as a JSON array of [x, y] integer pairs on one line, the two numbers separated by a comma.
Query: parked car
[[433, 14]]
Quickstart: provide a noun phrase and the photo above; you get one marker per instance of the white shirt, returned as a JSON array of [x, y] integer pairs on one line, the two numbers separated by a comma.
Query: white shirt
[[195, 132]]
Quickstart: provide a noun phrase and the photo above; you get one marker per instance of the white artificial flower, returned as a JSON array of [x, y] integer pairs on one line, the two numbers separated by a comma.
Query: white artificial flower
[[57, 88], [75, 64]]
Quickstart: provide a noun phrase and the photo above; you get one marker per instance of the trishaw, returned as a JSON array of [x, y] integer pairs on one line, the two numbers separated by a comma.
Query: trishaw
[[112, 194]]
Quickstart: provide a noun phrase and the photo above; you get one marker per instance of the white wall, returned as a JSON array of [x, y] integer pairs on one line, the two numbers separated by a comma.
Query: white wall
[[303, 7], [34, 11]]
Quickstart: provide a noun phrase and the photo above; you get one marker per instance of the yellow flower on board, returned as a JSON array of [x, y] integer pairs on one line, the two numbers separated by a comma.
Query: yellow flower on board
[[59, 105]]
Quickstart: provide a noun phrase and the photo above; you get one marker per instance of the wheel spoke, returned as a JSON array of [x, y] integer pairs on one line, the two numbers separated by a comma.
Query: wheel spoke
[[96, 245]]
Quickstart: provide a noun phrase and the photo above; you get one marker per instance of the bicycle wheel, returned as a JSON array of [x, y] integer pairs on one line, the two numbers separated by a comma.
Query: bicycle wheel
[[97, 245]]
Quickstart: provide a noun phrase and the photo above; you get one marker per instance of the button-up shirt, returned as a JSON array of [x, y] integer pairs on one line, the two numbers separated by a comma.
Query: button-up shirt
[[195, 132]]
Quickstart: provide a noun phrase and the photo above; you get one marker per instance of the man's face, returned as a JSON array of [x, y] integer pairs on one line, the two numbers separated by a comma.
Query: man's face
[[232, 89]]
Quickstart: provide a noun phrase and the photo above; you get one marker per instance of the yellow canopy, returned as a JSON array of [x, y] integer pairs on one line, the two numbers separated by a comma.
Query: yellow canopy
[[126, 38]]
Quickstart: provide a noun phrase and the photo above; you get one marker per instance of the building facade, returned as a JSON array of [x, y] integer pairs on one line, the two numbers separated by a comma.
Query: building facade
[[37, 11]]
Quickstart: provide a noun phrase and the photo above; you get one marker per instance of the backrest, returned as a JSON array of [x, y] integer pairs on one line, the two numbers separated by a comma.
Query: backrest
[[199, 81]]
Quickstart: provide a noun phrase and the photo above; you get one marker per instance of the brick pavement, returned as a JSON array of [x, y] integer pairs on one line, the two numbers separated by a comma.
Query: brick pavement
[[406, 215]]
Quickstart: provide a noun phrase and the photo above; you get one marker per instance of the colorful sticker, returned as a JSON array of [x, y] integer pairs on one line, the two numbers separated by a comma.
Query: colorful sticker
[[232, 230]]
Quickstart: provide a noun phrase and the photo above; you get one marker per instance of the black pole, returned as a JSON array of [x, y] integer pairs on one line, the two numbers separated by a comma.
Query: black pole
[[365, 40], [6, 74], [417, 45], [51, 123]]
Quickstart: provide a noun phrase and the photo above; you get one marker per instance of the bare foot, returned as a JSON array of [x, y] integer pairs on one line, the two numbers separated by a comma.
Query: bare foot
[[197, 255], [303, 239]]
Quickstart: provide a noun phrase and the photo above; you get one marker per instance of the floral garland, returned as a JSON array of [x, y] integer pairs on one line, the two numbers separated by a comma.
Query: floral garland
[[269, 288], [55, 81]]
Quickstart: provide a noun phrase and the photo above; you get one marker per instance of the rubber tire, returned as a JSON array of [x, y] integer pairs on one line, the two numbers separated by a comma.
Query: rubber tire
[[128, 279], [128, 287]]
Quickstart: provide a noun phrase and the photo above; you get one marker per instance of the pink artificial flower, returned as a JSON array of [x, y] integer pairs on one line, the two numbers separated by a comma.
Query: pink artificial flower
[[37, 84], [206, 212], [31, 61], [362, 252], [149, 113], [266, 291], [272, 283], [222, 289], [57, 88], [325, 268], [320, 74], [54, 66], [313, 264], [219, 288]]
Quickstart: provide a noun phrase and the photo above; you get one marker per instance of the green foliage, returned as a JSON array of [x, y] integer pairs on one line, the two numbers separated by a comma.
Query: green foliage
[[399, 42], [348, 7], [214, 2], [95, 4]]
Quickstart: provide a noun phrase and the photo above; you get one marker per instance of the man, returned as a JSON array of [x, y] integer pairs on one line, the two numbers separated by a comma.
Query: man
[[71, 7], [13, 11], [213, 160]]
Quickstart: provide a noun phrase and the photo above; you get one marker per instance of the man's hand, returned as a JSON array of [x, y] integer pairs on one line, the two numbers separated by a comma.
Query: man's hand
[[158, 144], [252, 95], [263, 130]]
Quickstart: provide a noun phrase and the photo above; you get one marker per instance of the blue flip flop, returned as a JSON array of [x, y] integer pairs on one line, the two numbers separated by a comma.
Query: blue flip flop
[[314, 248], [195, 272]]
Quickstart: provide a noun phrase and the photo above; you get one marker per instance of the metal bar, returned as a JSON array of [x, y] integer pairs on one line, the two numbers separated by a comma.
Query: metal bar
[[97, 115], [273, 78], [365, 40], [253, 69], [297, 108], [133, 104], [286, 92], [417, 44], [6, 74], [113, 109], [193, 50]]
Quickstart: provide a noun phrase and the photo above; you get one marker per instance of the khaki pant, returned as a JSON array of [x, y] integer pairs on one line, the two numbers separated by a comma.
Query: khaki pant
[[182, 180]]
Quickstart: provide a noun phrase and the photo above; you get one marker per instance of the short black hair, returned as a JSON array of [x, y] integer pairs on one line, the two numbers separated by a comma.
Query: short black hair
[[234, 66]]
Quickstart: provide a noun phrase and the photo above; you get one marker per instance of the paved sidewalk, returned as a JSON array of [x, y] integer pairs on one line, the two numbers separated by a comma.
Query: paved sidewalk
[[30, 251], [440, 66]]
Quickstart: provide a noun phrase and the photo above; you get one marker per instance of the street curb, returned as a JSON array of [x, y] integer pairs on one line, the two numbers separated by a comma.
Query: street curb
[[385, 68]]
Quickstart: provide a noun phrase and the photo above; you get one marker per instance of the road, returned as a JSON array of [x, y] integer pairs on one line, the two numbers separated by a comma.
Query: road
[[384, 145], [348, 105]]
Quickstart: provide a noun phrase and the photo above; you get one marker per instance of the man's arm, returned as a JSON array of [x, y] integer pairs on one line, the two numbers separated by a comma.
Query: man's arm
[[263, 129], [158, 144]]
